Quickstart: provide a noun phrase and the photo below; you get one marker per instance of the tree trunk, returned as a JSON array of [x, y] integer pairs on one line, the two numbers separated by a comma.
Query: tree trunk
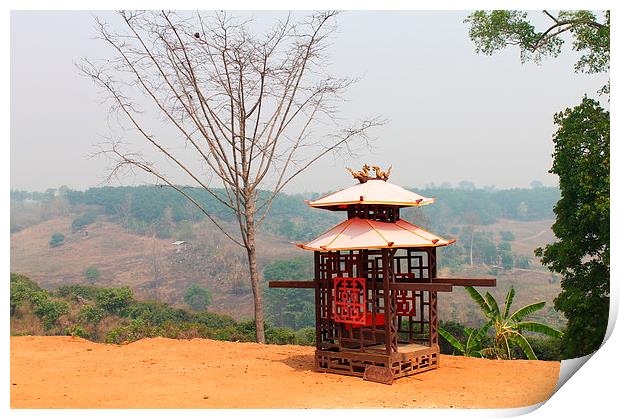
[[471, 248], [254, 277], [258, 296]]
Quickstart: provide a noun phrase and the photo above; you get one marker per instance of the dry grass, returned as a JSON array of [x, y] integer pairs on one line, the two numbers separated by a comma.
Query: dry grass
[[125, 258]]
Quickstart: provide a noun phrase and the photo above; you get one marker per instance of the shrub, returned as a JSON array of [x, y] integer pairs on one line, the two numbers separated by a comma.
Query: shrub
[[280, 335], [22, 289], [493, 270], [185, 231], [87, 292], [455, 329], [546, 348], [242, 332], [507, 260], [115, 300], [228, 334], [48, 310], [505, 254], [155, 312], [507, 236], [137, 329], [91, 315], [185, 330], [214, 320], [92, 274], [292, 308], [78, 331], [523, 262], [197, 298], [57, 239], [83, 220], [305, 336]]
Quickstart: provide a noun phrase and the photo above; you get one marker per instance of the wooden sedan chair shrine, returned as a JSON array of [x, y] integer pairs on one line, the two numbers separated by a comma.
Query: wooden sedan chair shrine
[[376, 285]]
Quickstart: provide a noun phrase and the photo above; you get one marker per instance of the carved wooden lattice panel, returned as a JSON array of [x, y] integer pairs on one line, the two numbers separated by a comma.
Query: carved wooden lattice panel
[[350, 300], [405, 303]]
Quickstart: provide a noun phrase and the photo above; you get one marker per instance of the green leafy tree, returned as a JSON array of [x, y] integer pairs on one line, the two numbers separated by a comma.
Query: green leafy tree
[[451, 256], [48, 310], [91, 315], [509, 327], [546, 348], [57, 239], [77, 292], [523, 261], [155, 312], [115, 300], [45, 308], [305, 336], [581, 161], [582, 226], [22, 289], [185, 231], [492, 31], [83, 220], [292, 308], [197, 297], [280, 335], [92, 274], [505, 255], [507, 260], [507, 236], [487, 250]]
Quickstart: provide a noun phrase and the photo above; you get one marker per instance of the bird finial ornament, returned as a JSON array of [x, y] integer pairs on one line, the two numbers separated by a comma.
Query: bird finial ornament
[[364, 176], [380, 174]]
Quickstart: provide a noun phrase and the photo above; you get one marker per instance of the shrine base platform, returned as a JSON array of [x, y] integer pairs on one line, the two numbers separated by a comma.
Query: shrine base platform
[[410, 359]]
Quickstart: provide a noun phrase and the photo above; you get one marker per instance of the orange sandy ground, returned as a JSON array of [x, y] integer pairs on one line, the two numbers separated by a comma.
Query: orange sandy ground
[[66, 372]]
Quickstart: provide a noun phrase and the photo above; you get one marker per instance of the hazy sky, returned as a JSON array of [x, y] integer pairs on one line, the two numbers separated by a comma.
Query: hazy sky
[[451, 114]]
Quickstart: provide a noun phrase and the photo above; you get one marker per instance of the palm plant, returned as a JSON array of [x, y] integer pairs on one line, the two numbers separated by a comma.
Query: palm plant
[[509, 327], [474, 344]]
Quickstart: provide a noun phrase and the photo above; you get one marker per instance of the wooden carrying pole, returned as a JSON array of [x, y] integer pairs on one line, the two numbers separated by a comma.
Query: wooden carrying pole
[[437, 284], [292, 284]]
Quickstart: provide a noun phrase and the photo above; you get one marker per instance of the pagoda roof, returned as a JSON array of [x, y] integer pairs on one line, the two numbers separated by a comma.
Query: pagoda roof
[[357, 233], [372, 192]]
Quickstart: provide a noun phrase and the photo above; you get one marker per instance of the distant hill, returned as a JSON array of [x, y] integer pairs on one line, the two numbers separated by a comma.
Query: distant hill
[[126, 233], [152, 266], [139, 207]]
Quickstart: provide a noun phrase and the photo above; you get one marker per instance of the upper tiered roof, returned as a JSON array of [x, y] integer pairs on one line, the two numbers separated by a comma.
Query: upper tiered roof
[[378, 225]]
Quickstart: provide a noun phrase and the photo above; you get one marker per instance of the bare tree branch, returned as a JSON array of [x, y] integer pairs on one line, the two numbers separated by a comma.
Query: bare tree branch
[[244, 103]]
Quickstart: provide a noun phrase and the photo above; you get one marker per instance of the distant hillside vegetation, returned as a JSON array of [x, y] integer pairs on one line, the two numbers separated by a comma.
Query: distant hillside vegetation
[[123, 236], [141, 207]]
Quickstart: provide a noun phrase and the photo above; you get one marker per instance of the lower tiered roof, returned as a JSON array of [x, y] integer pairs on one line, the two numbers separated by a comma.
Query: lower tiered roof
[[357, 233]]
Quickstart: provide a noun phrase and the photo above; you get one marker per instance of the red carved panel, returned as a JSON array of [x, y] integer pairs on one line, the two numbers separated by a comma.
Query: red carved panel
[[405, 303], [350, 300]]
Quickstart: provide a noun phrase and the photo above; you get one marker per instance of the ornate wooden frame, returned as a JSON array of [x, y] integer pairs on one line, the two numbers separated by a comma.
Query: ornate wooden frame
[[403, 342]]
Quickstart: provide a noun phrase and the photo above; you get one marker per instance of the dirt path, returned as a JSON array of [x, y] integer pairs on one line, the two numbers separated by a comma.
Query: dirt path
[[535, 236], [66, 372]]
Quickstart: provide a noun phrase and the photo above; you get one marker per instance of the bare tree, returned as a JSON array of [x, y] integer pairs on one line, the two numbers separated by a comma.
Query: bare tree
[[245, 104], [154, 261], [471, 220]]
